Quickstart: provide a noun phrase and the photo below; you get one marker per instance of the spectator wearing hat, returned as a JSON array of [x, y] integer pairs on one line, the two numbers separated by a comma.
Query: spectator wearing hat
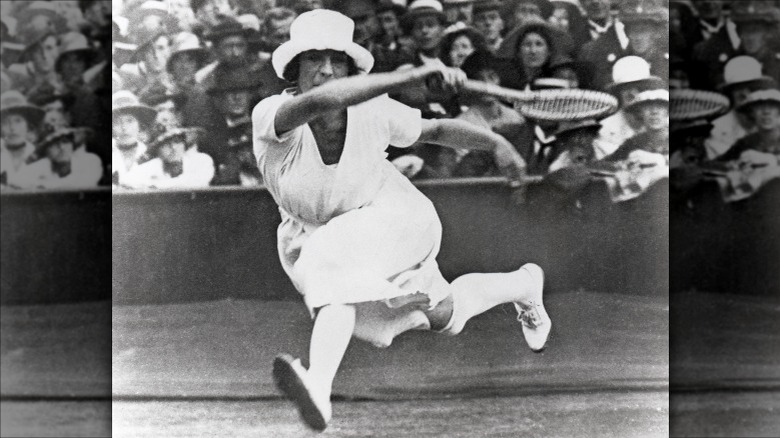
[[630, 76], [148, 63], [167, 105], [18, 121], [389, 14], [569, 19], [531, 47], [129, 119], [520, 12], [148, 20], [10, 47], [36, 64], [742, 76], [39, 18], [234, 102], [761, 148], [57, 107], [651, 108], [489, 23], [172, 166], [424, 21], [62, 165], [368, 33], [749, 21], [96, 12], [459, 42], [234, 59], [458, 11], [275, 30], [211, 13], [647, 29]]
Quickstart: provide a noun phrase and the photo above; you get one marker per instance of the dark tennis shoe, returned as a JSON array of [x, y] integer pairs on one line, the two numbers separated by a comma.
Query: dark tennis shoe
[[532, 314], [292, 380]]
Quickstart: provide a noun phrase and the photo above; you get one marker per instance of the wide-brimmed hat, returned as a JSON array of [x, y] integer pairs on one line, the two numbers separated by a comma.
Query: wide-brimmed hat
[[422, 8], [55, 136], [46, 95], [546, 7], [688, 105], [189, 135], [635, 71], [125, 102], [48, 9], [744, 70], [760, 96], [648, 97], [186, 42], [14, 102], [321, 29], [148, 8], [747, 12], [244, 83], [229, 27], [641, 14], [74, 43], [577, 125], [487, 5]]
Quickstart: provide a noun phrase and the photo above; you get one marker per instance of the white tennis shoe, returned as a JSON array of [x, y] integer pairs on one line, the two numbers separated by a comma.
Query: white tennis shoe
[[532, 314], [292, 379]]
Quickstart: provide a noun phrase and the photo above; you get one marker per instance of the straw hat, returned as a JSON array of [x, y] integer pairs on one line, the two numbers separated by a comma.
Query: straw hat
[[14, 102], [55, 136], [74, 43], [760, 96], [688, 105], [149, 8], [125, 102], [321, 29], [188, 135], [422, 8], [648, 97], [743, 70], [185, 42], [47, 9], [633, 70]]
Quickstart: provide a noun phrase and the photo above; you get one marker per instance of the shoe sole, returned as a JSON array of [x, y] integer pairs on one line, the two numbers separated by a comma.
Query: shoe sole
[[292, 386]]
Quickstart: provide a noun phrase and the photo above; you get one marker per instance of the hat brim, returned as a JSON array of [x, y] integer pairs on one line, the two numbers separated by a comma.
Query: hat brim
[[763, 81], [285, 53], [144, 114], [747, 106], [200, 55], [635, 105], [24, 17], [407, 20], [87, 54], [652, 82], [32, 114]]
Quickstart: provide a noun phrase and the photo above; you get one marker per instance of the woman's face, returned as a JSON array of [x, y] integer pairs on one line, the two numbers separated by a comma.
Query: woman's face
[[642, 36], [560, 18], [461, 48], [427, 32], [126, 130], [534, 51], [14, 129], [172, 151], [157, 54], [45, 55], [320, 66], [390, 24], [655, 116], [753, 36], [766, 116], [60, 151]]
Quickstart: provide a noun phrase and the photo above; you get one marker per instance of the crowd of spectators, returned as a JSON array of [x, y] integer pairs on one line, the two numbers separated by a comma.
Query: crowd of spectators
[[54, 94], [187, 74], [726, 134]]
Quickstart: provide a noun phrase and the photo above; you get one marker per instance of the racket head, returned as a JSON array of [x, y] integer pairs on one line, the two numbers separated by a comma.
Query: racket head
[[567, 104]]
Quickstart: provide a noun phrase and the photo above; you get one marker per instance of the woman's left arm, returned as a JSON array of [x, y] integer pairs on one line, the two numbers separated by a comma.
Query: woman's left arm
[[460, 134]]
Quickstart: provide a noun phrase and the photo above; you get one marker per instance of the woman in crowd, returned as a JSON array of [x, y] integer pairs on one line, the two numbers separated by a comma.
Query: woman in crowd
[[459, 42], [357, 239]]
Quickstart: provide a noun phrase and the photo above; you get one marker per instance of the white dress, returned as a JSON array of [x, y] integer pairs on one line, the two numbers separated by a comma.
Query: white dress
[[358, 231]]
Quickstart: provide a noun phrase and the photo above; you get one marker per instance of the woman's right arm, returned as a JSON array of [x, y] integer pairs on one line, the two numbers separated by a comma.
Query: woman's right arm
[[342, 93]]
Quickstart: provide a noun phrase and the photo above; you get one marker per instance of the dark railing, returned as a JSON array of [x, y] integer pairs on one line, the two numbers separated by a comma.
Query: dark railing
[[169, 246]]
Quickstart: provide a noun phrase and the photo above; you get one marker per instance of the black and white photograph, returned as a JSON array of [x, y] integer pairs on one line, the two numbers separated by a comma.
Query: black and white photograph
[[396, 218]]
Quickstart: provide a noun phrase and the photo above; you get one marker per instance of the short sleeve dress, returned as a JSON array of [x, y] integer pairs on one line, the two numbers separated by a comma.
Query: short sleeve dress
[[357, 231]]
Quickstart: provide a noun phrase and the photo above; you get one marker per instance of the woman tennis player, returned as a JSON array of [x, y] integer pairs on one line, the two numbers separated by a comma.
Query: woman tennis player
[[357, 239]]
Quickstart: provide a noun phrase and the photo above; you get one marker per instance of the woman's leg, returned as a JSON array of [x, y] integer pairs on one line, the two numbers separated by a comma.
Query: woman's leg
[[473, 294], [330, 337]]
